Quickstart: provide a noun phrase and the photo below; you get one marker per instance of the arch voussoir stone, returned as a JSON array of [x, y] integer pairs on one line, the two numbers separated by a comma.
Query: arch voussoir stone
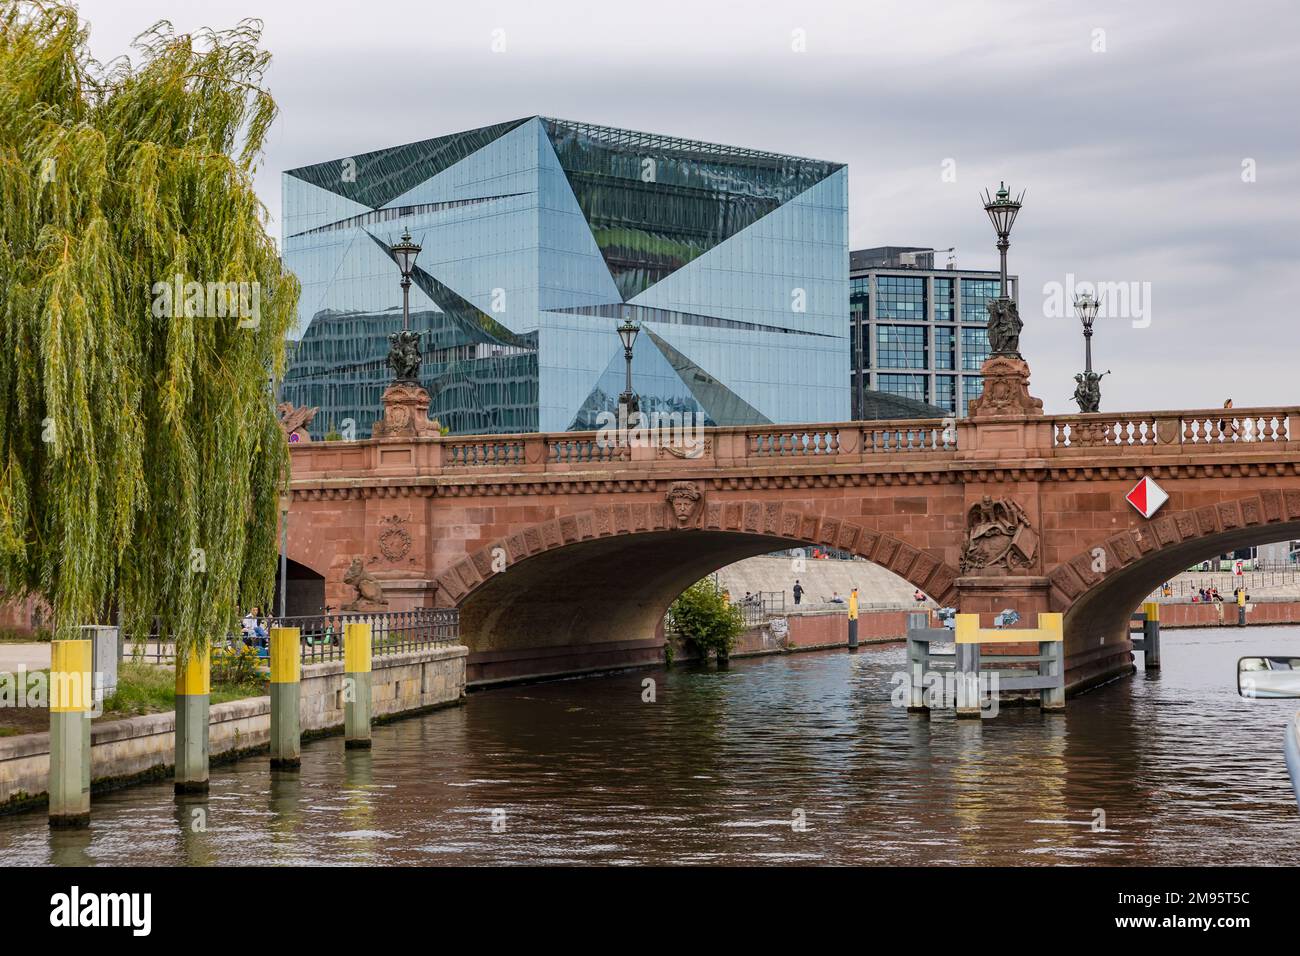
[[793, 522]]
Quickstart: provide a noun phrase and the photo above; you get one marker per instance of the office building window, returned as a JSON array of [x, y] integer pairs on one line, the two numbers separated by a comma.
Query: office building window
[[900, 297], [974, 348], [945, 392], [972, 386], [945, 346], [974, 293], [901, 346], [909, 386], [944, 300]]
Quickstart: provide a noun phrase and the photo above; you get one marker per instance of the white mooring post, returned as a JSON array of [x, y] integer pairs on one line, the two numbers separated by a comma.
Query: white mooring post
[[968, 681], [918, 662]]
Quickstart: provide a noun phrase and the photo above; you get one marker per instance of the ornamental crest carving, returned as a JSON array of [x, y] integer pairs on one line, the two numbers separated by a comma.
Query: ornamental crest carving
[[998, 537], [394, 540], [684, 497]]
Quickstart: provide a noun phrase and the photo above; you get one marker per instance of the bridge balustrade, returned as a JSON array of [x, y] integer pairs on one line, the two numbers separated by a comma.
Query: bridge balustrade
[[485, 453], [1211, 427]]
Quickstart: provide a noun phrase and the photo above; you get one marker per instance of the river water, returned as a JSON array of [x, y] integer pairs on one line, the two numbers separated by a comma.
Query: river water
[[794, 759]]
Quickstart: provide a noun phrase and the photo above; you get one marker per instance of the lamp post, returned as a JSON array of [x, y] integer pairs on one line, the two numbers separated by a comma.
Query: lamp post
[[628, 333], [404, 346], [405, 252], [1002, 210], [1087, 386], [1004, 318], [1086, 306]]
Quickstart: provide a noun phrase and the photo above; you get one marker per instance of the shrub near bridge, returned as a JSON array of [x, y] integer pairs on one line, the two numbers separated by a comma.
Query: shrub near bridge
[[704, 617]]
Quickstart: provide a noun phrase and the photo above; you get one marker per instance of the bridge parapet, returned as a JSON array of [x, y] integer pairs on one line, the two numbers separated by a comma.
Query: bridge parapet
[[908, 442], [668, 451], [1218, 429]]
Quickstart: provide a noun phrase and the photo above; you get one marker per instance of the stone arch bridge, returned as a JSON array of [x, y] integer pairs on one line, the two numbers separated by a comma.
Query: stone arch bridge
[[563, 552]]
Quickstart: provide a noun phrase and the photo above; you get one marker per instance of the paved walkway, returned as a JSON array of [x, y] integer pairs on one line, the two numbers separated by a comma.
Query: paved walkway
[[32, 657]]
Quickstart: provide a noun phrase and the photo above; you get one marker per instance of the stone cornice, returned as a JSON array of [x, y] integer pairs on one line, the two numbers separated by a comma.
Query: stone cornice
[[920, 474]]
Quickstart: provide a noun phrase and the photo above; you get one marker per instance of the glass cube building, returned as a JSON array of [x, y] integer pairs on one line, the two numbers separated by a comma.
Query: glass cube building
[[539, 237]]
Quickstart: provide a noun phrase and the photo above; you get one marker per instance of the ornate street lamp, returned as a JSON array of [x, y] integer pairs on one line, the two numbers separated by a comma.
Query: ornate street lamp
[[404, 346], [405, 252], [1004, 319], [1087, 387], [628, 333], [1086, 306], [1002, 210]]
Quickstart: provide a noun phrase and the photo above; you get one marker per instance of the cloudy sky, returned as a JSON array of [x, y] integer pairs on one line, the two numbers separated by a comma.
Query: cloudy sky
[[1157, 142]]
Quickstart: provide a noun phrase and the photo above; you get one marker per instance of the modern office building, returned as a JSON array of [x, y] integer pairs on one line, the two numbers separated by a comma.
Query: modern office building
[[917, 331], [539, 237]]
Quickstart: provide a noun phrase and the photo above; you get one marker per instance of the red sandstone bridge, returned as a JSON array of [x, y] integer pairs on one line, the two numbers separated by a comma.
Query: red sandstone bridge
[[563, 552]]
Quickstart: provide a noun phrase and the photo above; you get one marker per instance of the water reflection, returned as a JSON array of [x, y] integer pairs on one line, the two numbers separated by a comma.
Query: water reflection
[[791, 760]]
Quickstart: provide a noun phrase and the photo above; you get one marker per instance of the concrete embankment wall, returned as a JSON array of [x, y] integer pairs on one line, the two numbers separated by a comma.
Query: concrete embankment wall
[[1266, 611], [828, 629], [812, 630], [137, 748]]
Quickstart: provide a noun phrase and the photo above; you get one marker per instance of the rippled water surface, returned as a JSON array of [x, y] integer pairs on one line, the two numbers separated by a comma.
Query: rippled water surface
[[724, 764]]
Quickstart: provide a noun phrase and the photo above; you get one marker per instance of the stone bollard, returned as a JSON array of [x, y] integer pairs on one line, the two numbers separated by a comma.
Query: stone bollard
[[1151, 636], [356, 685], [193, 697], [71, 695], [286, 684]]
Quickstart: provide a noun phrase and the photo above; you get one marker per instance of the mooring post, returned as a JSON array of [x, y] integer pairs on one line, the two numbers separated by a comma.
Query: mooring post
[[72, 692], [286, 675], [193, 696], [918, 663], [1051, 666], [1151, 636], [1241, 607], [853, 619], [356, 685], [967, 675]]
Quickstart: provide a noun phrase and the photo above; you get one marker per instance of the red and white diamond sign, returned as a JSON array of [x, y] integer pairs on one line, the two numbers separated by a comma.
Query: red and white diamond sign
[[1146, 497]]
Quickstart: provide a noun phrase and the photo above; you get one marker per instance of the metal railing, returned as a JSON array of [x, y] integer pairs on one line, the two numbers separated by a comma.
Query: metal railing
[[321, 635], [391, 632]]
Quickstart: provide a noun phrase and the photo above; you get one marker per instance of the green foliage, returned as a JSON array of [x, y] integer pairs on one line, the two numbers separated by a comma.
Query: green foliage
[[236, 664], [136, 435], [702, 616]]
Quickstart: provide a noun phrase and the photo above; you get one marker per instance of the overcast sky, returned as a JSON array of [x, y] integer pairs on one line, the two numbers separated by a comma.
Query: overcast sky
[[1133, 127]]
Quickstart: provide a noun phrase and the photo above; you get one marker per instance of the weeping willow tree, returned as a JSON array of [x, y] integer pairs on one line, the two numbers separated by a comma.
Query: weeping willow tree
[[142, 317]]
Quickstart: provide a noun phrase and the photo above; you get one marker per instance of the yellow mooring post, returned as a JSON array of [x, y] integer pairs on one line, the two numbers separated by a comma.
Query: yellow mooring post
[[1151, 636], [193, 697], [286, 677], [356, 685], [71, 696], [853, 619]]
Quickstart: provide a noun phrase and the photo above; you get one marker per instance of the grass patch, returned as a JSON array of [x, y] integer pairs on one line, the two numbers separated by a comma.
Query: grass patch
[[151, 689], [9, 731]]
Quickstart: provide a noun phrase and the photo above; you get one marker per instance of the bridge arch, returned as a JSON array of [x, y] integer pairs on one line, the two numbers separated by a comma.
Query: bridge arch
[[607, 574], [1100, 587]]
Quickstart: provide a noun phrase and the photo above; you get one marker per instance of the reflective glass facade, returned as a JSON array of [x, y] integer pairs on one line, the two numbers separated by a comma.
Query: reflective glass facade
[[539, 236], [930, 322]]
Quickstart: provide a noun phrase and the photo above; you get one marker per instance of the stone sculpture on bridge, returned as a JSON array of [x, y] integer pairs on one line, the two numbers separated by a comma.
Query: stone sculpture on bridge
[[1087, 391], [684, 497], [404, 356], [1004, 327], [998, 537], [294, 421], [369, 592]]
